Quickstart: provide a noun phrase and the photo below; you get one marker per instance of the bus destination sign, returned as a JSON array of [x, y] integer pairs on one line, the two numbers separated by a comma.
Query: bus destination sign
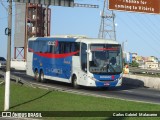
[[142, 6]]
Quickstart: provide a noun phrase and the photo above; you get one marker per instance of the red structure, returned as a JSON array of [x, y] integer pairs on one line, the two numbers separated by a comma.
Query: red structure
[[37, 24]]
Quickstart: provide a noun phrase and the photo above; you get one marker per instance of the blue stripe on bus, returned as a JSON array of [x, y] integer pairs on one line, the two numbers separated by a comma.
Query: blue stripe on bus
[[106, 77], [106, 84], [106, 80], [60, 67]]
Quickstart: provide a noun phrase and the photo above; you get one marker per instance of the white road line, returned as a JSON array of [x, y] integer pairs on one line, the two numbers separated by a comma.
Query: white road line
[[128, 91]]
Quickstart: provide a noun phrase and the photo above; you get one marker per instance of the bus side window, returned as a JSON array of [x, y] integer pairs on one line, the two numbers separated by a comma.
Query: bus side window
[[67, 47], [30, 46], [39, 46], [53, 49], [74, 47], [44, 46], [36, 46], [61, 47], [77, 47]]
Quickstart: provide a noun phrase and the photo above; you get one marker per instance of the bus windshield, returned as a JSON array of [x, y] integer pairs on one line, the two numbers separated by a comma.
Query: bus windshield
[[106, 59]]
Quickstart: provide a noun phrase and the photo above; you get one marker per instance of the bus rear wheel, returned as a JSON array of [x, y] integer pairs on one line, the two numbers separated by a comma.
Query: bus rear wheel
[[36, 75], [74, 82], [41, 77]]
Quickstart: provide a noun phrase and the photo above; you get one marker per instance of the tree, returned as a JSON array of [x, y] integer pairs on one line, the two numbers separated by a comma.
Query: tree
[[134, 64]]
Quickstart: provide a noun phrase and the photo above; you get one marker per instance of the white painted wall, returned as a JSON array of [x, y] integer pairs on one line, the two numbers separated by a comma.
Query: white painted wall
[[18, 64]]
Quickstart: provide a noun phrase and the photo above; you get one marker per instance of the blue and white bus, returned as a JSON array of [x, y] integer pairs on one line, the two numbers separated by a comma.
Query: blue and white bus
[[80, 61]]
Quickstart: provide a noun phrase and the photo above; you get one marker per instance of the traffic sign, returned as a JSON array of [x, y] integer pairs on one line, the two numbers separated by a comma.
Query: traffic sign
[[142, 6], [67, 3]]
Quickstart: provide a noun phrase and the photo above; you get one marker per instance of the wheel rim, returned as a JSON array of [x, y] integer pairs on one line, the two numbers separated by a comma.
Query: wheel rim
[[42, 76], [36, 75], [75, 85]]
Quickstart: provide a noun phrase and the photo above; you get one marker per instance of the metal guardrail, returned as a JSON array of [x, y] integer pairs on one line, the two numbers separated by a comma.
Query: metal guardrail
[[17, 79], [139, 70]]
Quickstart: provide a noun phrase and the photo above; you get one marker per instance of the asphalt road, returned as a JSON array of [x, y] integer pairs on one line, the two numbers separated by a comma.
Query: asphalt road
[[140, 94]]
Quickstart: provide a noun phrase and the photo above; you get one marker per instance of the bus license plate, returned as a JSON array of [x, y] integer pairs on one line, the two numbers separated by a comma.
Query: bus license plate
[[106, 83]]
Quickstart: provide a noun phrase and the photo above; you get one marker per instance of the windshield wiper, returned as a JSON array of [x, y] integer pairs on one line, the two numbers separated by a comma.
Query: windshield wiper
[[112, 68]]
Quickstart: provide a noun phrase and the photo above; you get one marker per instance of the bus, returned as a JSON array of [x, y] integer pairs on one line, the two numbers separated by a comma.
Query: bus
[[80, 61]]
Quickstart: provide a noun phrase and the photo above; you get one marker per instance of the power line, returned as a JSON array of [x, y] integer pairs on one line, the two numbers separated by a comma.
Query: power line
[[4, 18], [3, 5], [148, 28], [138, 35], [153, 31], [155, 26], [12, 15]]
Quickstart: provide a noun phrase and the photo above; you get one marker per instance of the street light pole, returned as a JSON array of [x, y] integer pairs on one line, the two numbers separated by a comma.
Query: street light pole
[[7, 77], [123, 45]]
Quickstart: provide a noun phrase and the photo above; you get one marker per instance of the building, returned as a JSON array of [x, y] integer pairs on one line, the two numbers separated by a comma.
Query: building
[[151, 65], [127, 56], [134, 55], [150, 62]]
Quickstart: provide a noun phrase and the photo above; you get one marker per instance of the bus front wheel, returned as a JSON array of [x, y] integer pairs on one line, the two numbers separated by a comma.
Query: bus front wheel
[[74, 82]]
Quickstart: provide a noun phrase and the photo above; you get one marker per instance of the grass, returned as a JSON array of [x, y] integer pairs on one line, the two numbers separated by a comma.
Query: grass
[[33, 99]]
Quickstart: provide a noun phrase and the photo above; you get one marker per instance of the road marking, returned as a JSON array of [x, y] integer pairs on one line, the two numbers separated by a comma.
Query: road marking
[[127, 90], [19, 73]]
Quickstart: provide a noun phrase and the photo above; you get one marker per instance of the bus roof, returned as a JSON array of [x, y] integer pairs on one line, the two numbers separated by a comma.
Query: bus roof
[[84, 40], [97, 41], [53, 39]]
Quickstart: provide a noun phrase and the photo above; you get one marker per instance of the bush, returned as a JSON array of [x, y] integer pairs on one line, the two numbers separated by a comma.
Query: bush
[[134, 64]]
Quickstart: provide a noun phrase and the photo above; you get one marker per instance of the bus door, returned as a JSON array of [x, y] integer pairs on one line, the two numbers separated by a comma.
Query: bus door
[[83, 58]]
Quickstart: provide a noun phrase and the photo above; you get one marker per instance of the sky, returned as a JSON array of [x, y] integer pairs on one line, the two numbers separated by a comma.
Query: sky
[[141, 31]]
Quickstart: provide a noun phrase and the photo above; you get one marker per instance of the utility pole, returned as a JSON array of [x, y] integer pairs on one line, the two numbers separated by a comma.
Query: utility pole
[[46, 21], [123, 43], [7, 77], [107, 26]]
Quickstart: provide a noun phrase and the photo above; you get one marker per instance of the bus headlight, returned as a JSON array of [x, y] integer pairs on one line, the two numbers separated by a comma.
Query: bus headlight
[[92, 78]]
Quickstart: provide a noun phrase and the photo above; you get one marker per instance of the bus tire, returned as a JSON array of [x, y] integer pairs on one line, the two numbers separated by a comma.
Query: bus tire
[[36, 75], [41, 77], [74, 82]]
